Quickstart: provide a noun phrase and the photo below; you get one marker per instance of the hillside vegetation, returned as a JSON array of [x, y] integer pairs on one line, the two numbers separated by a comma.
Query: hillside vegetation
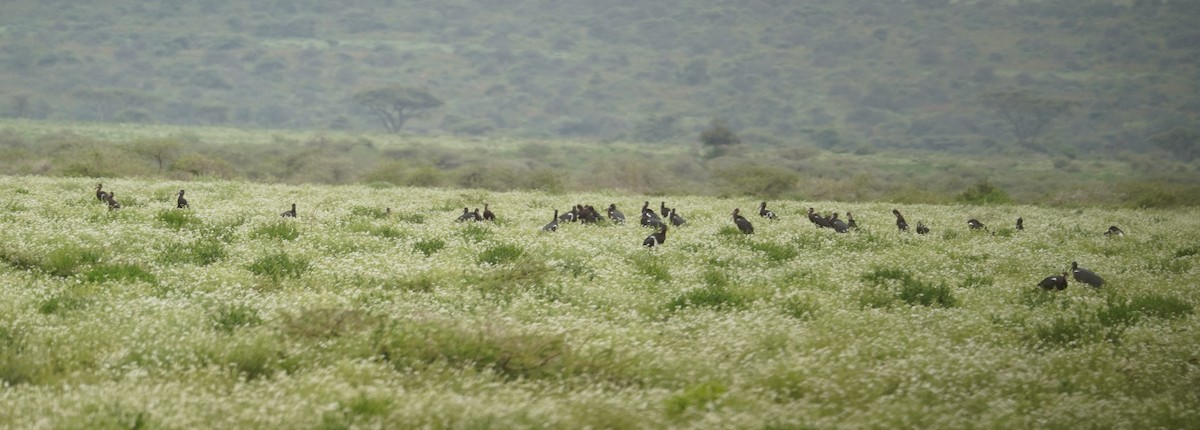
[[226, 315], [862, 75]]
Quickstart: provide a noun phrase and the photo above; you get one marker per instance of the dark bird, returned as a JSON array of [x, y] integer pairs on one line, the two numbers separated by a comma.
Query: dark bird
[[742, 223], [466, 216], [569, 216], [657, 238], [289, 214], [476, 215], [676, 220], [588, 214], [649, 217], [817, 218], [1056, 282], [615, 215], [487, 213], [662, 208], [850, 220], [112, 201], [180, 202], [764, 212], [1114, 231], [837, 224], [921, 228], [101, 195], [1020, 223], [1086, 276], [387, 212], [900, 222], [553, 225], [974, 224]]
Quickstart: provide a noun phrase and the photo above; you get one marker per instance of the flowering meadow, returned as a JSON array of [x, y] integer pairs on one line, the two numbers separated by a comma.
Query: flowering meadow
[[226, 315]]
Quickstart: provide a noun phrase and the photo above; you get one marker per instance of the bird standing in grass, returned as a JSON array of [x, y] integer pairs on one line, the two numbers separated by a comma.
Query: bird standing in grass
[[900, 222], [764, 212], [101, 195], [921, 228], [466, 216], [676, 220], [615, 215], [837, 224], [1114, 231], [1020, 223], [180, 202], [289, 213], [111, 199], [487, 213], [553, 225], [657, 238], [1056, 282], [1086, 276], [850, 221], [974, 224], [662, 208], [742, 223], [817, 219]]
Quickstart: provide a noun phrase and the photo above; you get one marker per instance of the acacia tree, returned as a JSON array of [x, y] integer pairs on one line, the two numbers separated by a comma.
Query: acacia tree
[[1028, 114], [718, 138], [394, 105]]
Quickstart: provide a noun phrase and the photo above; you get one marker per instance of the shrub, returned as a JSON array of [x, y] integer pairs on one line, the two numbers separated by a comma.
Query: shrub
[[201, 252], [177, 219], [982, 193], [64, 261], [695, 397], [123, 273], [656, 271], [282, 230], [775, 252], [498, 254], [429, 246], [902, 285], [278, 266], [229, 317]]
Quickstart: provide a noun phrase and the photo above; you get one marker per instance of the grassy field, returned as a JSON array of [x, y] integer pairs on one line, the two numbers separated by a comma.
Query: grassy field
[[228, 316]]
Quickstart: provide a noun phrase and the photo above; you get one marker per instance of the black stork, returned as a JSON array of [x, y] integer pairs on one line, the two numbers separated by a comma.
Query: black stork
[[1020, 223], [289, 213], [766, 213], [1114, 231], [615, 215], [466, 216], [1086, 276], [101, 195], [180, 202], [1056, 282], [487, 213], [677, 220], [837, 224], [921, 228], [553, 225], [742, 223], [817, 218], [113, 204], [850, 221], [974, 224], [900, 222], [657, 238]]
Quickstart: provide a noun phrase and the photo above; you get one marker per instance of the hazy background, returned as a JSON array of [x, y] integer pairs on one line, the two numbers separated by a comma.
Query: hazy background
[[846, 76]]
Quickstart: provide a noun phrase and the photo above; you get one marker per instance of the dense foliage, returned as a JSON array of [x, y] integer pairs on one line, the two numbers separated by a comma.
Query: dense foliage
[[226, 315], [866, 74]]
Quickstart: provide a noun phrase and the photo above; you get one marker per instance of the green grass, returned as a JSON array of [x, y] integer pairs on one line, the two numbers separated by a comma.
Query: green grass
[[111, 319]]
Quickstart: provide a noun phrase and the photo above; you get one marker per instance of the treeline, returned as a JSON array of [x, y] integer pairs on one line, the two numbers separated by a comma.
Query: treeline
[[733, 169], [854, 75]]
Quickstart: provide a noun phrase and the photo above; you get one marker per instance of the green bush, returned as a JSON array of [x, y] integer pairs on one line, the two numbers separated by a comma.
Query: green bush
[[282, 230], [177, 219], [983, 193], [124, 273], [904, 286], [429, 246], [278, 266], [227, 318], [499, 254]]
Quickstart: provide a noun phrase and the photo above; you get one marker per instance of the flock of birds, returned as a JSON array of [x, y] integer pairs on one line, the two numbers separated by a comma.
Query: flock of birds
[[658, 220]]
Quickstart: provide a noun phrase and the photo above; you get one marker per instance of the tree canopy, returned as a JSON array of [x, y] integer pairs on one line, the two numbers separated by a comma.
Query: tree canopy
[[394, 105], [1027, 113]]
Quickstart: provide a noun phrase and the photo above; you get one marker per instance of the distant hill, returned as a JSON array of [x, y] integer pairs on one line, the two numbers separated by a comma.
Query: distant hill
[[858, 75]]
